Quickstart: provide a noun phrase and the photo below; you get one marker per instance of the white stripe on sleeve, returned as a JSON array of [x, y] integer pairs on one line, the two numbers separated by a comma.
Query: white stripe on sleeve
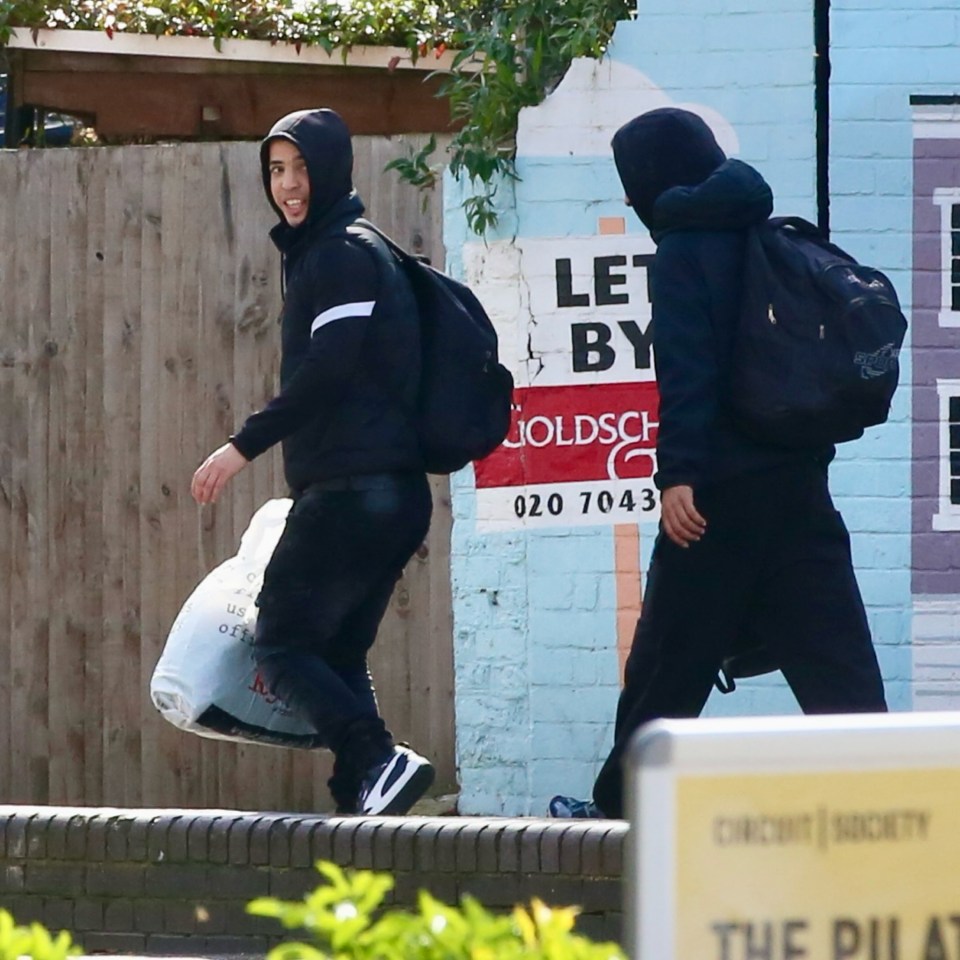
[[359, 309]]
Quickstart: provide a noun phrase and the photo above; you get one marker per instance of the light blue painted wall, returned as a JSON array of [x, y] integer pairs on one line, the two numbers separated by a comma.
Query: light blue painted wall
[[534, 612], [881, 54]]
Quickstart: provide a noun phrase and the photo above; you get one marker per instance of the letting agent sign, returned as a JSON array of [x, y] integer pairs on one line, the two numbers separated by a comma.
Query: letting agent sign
[[828, 838], [581, 449]]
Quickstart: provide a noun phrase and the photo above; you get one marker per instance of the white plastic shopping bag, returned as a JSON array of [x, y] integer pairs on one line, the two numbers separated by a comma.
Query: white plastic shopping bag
[[206, 680]]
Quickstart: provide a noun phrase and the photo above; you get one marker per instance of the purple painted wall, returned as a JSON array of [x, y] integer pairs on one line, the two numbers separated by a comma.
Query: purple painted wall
[[936, 164]]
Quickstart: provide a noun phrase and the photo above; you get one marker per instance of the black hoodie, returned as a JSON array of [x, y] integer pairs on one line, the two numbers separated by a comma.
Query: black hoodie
[[697, 205], [350, 363]]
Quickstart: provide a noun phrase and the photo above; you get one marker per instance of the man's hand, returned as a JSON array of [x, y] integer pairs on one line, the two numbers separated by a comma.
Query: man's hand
[[212, 475], [681, 521]]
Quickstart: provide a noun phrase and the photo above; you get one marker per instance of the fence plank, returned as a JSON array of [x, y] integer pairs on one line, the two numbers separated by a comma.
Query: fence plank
[[92, 193], [33, 615], [212, 347], [160, 743], [8, 361], [121, 335], [66, 491]]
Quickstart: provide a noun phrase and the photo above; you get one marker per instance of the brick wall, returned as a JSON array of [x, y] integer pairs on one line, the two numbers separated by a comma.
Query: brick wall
[[541, 607], [177, 881], [894, 143]]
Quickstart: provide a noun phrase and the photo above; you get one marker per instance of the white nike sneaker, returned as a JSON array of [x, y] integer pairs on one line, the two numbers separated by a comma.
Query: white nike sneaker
[[394, 786]]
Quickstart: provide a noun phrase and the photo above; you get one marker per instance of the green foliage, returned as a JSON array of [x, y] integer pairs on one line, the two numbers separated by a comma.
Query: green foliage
[[343, 922], [510, 55], [416, 24], [33, 941], [415, 169]]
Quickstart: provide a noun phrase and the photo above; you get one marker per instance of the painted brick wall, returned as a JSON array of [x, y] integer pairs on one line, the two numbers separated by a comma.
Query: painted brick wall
[[539, 610], [889, 155], [870, 186]]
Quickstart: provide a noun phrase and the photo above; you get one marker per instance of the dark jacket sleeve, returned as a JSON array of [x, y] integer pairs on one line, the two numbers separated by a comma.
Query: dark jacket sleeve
[[335, 294], [687, 362]]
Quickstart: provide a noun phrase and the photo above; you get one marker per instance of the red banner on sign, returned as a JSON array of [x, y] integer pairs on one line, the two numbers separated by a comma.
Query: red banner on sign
[[604, 431]]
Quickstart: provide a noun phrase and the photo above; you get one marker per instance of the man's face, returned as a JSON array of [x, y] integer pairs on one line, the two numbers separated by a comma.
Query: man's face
[[289, 181]]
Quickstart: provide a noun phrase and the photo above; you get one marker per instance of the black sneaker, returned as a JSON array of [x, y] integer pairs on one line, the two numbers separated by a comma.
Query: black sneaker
[[394, 786]]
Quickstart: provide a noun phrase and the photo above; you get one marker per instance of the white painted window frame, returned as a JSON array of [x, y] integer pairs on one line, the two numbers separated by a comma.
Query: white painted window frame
[[947, 516], [946, 198]]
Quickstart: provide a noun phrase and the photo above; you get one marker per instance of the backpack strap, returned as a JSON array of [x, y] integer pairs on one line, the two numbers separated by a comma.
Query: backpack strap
[[402, 259], [804, 227], [811, 231], [392, 244]]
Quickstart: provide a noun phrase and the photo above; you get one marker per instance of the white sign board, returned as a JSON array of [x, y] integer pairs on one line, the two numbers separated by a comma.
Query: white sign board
[[829, 838], [582, 445]]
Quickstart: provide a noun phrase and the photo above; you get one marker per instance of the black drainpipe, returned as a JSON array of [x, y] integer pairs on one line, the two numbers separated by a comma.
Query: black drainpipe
[[821, 105]]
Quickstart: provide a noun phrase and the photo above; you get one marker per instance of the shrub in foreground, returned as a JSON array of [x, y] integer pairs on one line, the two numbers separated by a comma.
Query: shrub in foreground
[[33, 941], [343, 922]]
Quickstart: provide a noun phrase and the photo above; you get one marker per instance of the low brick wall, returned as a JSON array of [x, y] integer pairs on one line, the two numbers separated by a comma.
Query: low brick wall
[[177, 881]]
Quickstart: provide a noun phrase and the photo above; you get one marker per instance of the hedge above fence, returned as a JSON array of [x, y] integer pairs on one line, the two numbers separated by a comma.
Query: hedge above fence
[[416, 24]]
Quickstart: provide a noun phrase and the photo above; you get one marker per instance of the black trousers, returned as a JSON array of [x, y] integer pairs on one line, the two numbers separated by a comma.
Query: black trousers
[[775, 565], [325, 591]]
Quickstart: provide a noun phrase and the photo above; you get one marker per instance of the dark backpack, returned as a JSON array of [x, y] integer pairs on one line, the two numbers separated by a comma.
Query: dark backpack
[[464, 404], [815, 357]]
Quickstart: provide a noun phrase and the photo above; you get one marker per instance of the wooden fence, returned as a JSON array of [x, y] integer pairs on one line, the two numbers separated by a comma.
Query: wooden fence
[[138, 302]]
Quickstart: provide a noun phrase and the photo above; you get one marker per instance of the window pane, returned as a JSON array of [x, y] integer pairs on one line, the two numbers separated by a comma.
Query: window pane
[[954, 437], [955, 492]]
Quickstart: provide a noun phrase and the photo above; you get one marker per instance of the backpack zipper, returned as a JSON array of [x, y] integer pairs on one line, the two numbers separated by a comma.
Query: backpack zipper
[[772, 317]]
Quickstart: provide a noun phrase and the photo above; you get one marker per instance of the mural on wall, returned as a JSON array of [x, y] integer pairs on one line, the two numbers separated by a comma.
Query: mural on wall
[[551, 538], [553, 533], [936, 401]]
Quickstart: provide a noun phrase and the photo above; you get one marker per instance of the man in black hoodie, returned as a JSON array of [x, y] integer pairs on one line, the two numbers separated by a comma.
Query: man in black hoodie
[[349, 376], [751, 548]]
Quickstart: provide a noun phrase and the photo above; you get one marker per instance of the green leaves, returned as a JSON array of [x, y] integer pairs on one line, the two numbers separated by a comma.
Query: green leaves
[[414, 167], [344, 920], [327, 23], [33, 941], [513, 53]]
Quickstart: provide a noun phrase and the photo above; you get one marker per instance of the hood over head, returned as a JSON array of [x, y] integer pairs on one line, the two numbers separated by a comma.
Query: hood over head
[[323, 140], [735, 196], [663, 148]]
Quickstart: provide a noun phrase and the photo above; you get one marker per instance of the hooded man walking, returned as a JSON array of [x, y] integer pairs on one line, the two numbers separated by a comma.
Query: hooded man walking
[[750, 549], [349, 375]]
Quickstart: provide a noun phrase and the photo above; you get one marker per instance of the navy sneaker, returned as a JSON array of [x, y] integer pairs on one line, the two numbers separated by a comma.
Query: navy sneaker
[[568, 807], [395, 785]]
